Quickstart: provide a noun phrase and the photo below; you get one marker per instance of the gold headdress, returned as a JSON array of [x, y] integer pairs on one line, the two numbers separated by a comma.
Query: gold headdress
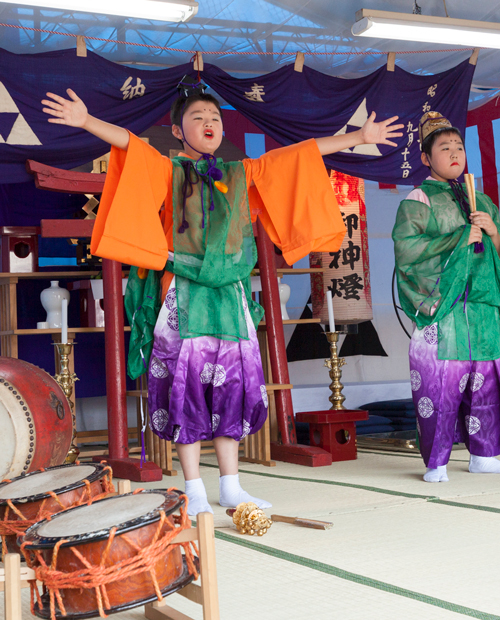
[[429, 122]]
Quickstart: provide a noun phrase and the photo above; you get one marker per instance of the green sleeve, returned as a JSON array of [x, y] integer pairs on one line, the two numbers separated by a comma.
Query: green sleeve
[[421, 253]]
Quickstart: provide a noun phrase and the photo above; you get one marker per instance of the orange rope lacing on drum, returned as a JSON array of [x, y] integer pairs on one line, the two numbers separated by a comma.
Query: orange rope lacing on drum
[[97, 577], [17, 527]]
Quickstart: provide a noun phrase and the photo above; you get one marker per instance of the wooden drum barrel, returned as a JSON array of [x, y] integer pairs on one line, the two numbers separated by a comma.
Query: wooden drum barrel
[[35, 419], [113, 555]]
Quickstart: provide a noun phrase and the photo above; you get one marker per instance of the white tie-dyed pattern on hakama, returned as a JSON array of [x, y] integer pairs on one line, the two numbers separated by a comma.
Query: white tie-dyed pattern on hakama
[[455, 401], [209, 387]]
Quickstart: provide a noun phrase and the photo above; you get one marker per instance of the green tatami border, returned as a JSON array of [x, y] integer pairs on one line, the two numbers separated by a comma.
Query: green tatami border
[[354, 577], [427, 498]]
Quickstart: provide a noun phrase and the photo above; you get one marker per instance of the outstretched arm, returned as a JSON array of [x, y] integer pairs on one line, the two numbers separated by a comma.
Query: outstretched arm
[[74, 114], [370, 133]]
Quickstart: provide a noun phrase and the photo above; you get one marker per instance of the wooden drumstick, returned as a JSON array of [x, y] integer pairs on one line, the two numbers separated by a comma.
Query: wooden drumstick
[[471, 191], [312, 523]]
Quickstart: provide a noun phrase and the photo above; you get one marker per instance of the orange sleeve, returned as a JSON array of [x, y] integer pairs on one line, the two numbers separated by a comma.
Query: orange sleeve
[[128, 227], [294, 199]]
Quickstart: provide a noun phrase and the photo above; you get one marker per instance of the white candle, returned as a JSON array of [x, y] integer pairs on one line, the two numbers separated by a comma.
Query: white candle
[[331, 318], [64, 321]]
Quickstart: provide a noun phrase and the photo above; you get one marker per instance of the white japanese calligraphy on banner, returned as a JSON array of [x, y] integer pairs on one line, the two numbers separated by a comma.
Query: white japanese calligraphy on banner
[[129, 91], [410, 130]]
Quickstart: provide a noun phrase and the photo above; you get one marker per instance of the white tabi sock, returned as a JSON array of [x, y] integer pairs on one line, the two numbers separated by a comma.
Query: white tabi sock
[[197, 496], [436, 475], [231, 493], [484, 465]]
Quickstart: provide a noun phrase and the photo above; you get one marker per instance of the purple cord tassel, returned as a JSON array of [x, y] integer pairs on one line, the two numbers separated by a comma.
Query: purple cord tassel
[[478, 247]]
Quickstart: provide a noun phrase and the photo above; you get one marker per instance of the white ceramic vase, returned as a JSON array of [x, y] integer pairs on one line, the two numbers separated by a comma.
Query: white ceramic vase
[[51, 299], [284, 297]]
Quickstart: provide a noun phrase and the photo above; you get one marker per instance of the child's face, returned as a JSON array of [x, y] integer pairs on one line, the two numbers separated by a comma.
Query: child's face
[[202, 127], [447, 160]]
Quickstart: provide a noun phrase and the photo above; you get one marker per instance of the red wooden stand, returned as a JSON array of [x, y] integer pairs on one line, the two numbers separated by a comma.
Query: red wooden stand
[[334, 431], [289, 450]]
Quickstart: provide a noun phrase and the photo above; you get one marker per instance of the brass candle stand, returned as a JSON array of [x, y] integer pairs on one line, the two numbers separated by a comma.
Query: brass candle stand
[[66, 380], [334, 364]]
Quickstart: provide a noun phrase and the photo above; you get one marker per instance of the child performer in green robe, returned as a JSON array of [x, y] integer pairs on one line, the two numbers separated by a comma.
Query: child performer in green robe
[[448, 272]]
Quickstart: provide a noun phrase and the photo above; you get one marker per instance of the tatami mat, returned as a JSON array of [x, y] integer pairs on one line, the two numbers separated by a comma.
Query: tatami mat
[[399, 547]]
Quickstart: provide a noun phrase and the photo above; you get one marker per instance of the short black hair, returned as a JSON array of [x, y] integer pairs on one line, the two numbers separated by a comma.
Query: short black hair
[[428, 143], [181, 106]]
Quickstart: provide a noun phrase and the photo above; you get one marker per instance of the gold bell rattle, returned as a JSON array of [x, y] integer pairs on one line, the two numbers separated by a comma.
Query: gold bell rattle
[[249, 519]]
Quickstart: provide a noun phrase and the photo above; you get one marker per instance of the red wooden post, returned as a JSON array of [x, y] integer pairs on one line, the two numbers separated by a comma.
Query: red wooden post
[[115, 359], [123, 467], [275, 335], [289, 450]]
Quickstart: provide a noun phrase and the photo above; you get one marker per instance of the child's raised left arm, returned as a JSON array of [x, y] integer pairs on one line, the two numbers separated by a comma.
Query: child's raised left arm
[[370, 133]]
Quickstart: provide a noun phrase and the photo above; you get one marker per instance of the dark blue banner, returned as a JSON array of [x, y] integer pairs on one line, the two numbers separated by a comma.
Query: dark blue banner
[[290, 106], [287, 105], [132, 98]]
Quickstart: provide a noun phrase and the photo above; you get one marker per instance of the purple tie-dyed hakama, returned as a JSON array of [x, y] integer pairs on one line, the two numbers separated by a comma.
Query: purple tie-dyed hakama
[[455, 401], [201, 388]]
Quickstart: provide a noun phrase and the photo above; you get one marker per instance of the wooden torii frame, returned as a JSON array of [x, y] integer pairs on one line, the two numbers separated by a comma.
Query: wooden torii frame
[[55, 179]]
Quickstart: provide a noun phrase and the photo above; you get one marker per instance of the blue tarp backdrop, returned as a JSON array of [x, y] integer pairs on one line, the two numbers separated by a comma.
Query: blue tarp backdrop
[[287, 105]]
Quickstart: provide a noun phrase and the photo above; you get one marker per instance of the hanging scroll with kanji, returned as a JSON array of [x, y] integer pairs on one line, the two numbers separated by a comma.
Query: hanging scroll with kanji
[[347, 271]]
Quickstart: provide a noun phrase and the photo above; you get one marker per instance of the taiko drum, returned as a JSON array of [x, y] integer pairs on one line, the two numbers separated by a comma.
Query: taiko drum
[[32, 497], [81, 538], [35, 419]]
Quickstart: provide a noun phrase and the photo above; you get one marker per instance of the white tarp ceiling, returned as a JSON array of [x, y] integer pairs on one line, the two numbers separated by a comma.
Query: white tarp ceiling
[[238, 31]]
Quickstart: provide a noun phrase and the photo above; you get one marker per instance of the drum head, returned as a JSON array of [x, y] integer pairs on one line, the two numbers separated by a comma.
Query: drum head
[[37, 485], [15, 436], [85, 524]]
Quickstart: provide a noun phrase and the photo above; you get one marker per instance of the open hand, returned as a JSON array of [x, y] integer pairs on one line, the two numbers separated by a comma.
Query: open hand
[[379, 133], [73, 113], [476, 234], [484, 221]]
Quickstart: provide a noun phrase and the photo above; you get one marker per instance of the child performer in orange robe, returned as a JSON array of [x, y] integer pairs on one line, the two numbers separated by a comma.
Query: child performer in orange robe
[[205, 375]]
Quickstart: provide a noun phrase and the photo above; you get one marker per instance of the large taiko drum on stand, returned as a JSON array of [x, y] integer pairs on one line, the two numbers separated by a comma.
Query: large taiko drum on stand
[[35, 419], [116, 554], [33, 497]]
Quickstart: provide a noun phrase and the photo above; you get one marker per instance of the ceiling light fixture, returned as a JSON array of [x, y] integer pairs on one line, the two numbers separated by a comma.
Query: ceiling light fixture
[[159, 10], [426, 29]]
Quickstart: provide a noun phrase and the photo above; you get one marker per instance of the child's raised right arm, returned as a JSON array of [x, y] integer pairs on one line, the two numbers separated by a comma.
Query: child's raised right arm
[[74, 113]]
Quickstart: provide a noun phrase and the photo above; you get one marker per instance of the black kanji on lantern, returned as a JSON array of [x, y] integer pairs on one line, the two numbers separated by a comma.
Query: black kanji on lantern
[[351, 254], [335, 260], [351, 222], [335, 287], [351, 284]]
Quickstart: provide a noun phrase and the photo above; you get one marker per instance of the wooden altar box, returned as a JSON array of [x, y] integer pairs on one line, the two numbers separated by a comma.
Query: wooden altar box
[[91, 311], [19, 249], [334, 431]]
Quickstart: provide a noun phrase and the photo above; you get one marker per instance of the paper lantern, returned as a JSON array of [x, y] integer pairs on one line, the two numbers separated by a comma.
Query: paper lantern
[[347, 271]]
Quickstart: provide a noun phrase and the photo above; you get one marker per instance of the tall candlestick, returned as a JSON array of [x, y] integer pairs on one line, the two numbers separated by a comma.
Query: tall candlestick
[[329, 302], [64, 321]]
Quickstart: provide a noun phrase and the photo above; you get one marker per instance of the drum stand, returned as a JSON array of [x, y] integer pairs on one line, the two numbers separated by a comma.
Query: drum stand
[[13, 577], [205, 595]]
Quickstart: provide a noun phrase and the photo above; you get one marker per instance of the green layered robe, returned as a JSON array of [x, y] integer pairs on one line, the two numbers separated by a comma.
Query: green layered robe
[[435, 265]]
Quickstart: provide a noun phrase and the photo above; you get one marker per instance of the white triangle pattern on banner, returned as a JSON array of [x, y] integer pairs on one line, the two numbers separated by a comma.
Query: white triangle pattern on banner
[[358, 119], [7, 104], [21, 132]]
